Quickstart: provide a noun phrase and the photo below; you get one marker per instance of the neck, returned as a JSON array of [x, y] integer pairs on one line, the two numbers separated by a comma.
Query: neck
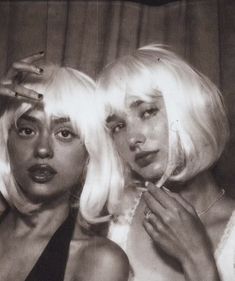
[[45, 219], [200, 191]]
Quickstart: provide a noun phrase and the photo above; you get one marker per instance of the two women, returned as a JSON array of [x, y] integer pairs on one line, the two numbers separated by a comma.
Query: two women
[[55, 153], [169, 125]]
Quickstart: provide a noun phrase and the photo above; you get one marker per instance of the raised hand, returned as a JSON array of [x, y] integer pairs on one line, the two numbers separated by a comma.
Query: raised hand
[[10, 83], [174, 226]]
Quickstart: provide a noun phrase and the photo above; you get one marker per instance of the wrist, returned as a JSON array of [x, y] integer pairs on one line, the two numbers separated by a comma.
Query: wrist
[[201, 267]]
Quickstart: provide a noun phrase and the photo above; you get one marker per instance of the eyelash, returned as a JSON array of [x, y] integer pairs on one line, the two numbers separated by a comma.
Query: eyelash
[[118, 126], [67, 130], [22, 132], [151, 112]]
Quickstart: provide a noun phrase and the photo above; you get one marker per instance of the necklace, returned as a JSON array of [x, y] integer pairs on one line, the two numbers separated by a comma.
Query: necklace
[[218, 198]]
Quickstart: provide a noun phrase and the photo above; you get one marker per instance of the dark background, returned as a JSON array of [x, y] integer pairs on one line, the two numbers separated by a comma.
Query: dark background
[[89, 34]]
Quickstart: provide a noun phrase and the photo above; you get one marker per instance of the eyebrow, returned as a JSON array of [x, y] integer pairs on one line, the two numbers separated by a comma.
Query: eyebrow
[[111, 118], [28, 118], [60, 120], [54, 119], [136, 103]]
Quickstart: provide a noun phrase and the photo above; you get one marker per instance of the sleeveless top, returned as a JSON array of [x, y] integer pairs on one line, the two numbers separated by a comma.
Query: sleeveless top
[[52, 262]]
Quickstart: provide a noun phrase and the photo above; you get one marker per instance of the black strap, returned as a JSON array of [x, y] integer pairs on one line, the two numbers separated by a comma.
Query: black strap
[[52, 262]]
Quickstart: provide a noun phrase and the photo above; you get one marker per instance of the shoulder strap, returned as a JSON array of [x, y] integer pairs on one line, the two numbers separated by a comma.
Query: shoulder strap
[[52, 262]]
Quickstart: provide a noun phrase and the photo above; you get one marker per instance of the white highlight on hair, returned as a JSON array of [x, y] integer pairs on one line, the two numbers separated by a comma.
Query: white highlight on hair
[[69, 93], [197, 122]]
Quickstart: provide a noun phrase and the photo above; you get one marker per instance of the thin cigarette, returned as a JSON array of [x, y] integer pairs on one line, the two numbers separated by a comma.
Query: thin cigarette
[[142, 189]]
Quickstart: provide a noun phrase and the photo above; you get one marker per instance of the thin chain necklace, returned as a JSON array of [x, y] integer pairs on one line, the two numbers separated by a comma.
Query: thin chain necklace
[[217, 199]]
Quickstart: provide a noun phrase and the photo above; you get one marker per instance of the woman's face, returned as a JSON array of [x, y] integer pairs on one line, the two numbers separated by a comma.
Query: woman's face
[[46, 157], [141, 136]]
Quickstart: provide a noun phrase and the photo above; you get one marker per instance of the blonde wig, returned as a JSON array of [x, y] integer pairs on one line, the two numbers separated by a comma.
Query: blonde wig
[[68, 93], [197, 122]]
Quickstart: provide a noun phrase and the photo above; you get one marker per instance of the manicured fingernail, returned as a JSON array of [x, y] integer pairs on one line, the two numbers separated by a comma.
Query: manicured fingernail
[[40, 96]]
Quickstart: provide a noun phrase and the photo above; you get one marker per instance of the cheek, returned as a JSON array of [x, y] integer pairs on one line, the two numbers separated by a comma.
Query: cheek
[[17, 153], [158, 131], [121, 144], [74, 162], [19, 149]]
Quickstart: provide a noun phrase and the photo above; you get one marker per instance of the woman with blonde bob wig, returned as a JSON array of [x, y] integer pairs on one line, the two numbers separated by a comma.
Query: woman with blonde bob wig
[[54, 155], [169, 124]]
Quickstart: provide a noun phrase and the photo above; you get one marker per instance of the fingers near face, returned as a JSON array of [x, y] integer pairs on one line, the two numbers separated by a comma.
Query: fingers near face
[[33, 58], [26, 67], [6, 92], [27, 93]]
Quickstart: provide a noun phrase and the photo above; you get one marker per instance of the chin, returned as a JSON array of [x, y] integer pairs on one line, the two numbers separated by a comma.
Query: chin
[[150, 174], [39, 193]]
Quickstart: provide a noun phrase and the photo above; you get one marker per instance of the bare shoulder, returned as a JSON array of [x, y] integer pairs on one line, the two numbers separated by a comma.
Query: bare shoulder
[[101, 260]]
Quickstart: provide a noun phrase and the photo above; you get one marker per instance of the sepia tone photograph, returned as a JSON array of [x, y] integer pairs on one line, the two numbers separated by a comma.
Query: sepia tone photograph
[[117, 140]]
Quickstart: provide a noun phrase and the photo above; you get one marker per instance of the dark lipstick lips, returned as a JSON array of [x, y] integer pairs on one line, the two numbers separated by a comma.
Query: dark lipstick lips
[[41, 173], [144, 158]]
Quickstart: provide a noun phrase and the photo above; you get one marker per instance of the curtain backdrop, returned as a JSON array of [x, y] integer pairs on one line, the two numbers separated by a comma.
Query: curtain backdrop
[[89, 34]]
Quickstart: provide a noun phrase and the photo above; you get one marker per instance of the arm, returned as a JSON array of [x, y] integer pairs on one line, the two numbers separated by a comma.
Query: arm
[[103, 261], [9, 85], [175, 227]]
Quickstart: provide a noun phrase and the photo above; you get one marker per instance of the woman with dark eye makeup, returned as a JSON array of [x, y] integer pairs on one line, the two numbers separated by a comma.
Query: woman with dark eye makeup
[[56, 158], [168, 123]]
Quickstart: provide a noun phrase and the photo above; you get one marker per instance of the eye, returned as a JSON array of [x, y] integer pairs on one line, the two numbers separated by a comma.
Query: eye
[[146, 114], [117, 127], [26, 132], [65, 134]]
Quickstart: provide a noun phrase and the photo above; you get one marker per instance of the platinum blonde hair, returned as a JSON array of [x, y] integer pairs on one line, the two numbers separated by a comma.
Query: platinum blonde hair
[[68, 93], [197, 122]]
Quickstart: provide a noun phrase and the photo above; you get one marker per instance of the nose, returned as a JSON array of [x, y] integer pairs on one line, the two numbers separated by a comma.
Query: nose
[[135, 141], [43, 147]]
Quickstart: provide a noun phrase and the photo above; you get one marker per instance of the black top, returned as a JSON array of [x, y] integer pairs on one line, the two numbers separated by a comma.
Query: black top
[[52, 262]]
